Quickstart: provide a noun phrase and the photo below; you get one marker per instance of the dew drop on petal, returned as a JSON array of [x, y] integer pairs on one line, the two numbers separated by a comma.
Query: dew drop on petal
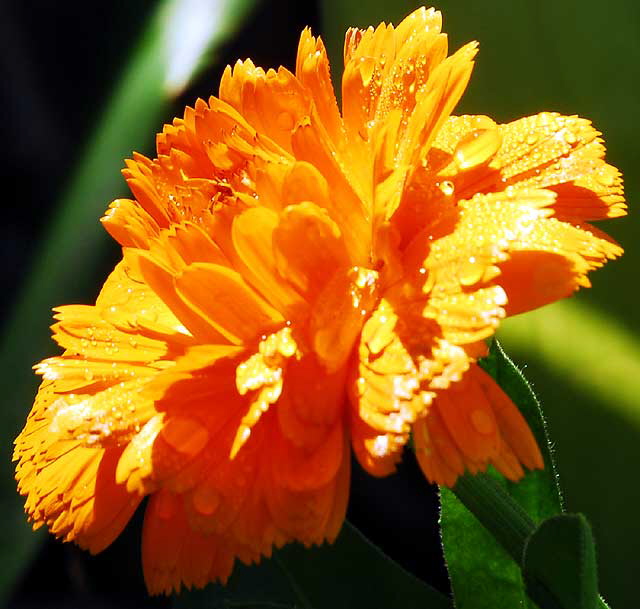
[[205, 500], [367, 67], [447, 187], [285, 121], [185, 435], [477, 148], [482, 422]]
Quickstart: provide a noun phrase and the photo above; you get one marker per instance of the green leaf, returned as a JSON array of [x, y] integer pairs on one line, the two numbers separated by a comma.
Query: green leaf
[[497, 520], [486, 520], [539, 491], [483, 575], [559, 564], [172, 48], [350, 573]]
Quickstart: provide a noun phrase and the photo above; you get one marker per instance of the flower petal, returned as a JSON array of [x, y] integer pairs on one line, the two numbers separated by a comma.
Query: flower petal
[[346, 206], [312, 68], [385, 393], [273, 102], [173, 554], [82, 330], [471, 425], [222, 297], [308, 248], [129, 224], [69, 487], [254, 238]]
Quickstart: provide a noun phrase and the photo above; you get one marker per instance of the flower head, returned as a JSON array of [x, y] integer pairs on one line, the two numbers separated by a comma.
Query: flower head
[[298, 279]]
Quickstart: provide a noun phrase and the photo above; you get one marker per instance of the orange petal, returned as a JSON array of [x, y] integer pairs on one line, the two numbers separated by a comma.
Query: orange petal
[[311, 402], [135, 466], [469, 418], [108, 417], [82, 330], [462, 266], [68, 487], [308, 248], [174, 555], [471, 425], [254, 241], [261, 376], [563, 153], [311, 143], [273, 102], [513, 427], [300, 469], [339, 312], [162, 282], [222, 297], [301, 505], [436, 452], [379, 61], [552, 263], [312, 68], [385, 393], [129, 224]]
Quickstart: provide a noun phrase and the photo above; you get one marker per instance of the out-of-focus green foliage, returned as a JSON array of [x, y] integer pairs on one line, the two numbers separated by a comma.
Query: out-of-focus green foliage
[[156, 72], [575, 57]]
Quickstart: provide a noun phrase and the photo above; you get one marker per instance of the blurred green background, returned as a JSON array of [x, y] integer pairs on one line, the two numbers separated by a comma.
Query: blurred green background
[[88, 84]]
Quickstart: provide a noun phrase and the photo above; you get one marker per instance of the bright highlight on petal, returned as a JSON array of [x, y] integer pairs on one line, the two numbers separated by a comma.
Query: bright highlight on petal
[[298, 278]]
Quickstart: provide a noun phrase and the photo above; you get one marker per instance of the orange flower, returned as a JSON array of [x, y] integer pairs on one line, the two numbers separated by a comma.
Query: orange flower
[[295, 280]]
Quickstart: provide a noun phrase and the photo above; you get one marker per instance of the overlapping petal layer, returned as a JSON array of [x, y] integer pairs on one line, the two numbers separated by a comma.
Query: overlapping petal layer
[[299, 280]]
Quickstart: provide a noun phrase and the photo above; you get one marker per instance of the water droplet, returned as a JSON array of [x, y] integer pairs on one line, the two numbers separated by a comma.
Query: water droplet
[[532, 138], [447, 187], [285, 121], [185, 435], [570, 137], [205, 500], [88, 374], [367, 68], [477, 148], [482, 422]]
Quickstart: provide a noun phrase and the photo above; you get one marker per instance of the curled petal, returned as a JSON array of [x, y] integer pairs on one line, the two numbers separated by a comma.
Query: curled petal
[[69, 487]]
